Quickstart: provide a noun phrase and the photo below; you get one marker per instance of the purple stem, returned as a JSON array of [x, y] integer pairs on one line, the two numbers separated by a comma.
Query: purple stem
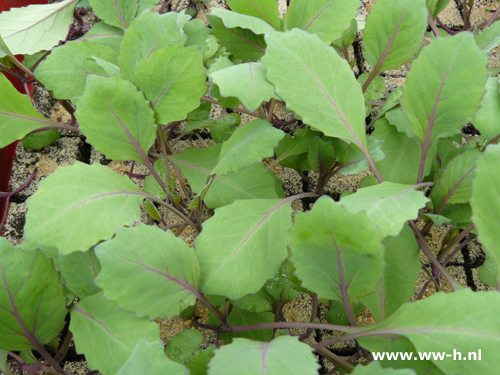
[[22, 187]]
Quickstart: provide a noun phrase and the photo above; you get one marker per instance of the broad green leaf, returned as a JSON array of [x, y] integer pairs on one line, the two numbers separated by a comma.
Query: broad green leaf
[[148, 358], [321, 155], [79, 205], [37, 141], [436, 6], [285, 355], [252, 182], [221, 62], [177, 85], [266, 10], [465, 330], [221, 130], [325, 18], [65, 70], [393, 33], [197, 34], [147, 33], [455, 185], [116, 13], [388, 205], [101, 33], [242, 246], [243, 317], [99, 328], [486, 118], [247, 82], [120, 126], [32, 305], [17, 115], [248, 145], [243, 44], [198, 363], [448, 71], [183, 344], [330, 98], [374, 368], [353, 161], [79, 269], [489, 37], [232, 20], [145, 264], [36, 28], [402, 154], [336, 253], [485, 203], [396, 287]]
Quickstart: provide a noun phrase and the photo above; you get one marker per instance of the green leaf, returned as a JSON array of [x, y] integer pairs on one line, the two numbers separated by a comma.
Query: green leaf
[[30, 60], [266, 10], [144, 264], [348, 36], [101, 33], [4, 366], [4, 50], [402, 154], [17, 115], [489, 37], [200, 113], [376, 89], [197, 125], [37, 141], [321, 155], [242, 246], [485, 117], [257, 303], [198, 363], [330, 99], [393, 33], [108, 67], [243, 44], [438, 220], [120, 126], [337, 314], [177, 85], [248, 145], [66, 69], [453, 70], [79, 205], [299, 144], [325, 18], [221, 131], [183, 344], [336, 253], [36, 28], [436, 6], [283, 355], [233, 19], [32, 305], [147, 33], [396, 287], [116, 13], [464, 330], [148, 358], [485, 203], [244, 317], [221, 62], [487, 273], [80, 269], [152, 210], [99, 328], [374, 368], [353, 161], [197, 34], [152, 186], [388, 205], [247, 82], [252, 182], [391, 101]]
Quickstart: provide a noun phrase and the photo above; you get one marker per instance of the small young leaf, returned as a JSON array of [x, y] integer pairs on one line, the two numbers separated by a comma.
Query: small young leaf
[[436, 6], [353, 161], [4, 365], [148, 358], [348, 36], [198, 363], [299, 144], [177, 85], [181, 346], [101, 33], [120, 126], [325, 18], [485, 203], [147, 33], [337, 254], [245, 317], [489, 37], [233, 19], [66, 69], [99, 328], [197, 34], [391, 101], [199, 124], [487, 273], [32, 305], [438, 220], [144, 264], [337, 315], [80, 269], [485, 119], [100, 201], [284, 355], [243, 44], [242, 246], [376, 90], [108, 67], [266, 10], [152, 186], [37, 141], [388, 205], [321, 155], [393, 33], [248, 145], [200, 113], [31, 29], [247, 82], [116, 13]]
